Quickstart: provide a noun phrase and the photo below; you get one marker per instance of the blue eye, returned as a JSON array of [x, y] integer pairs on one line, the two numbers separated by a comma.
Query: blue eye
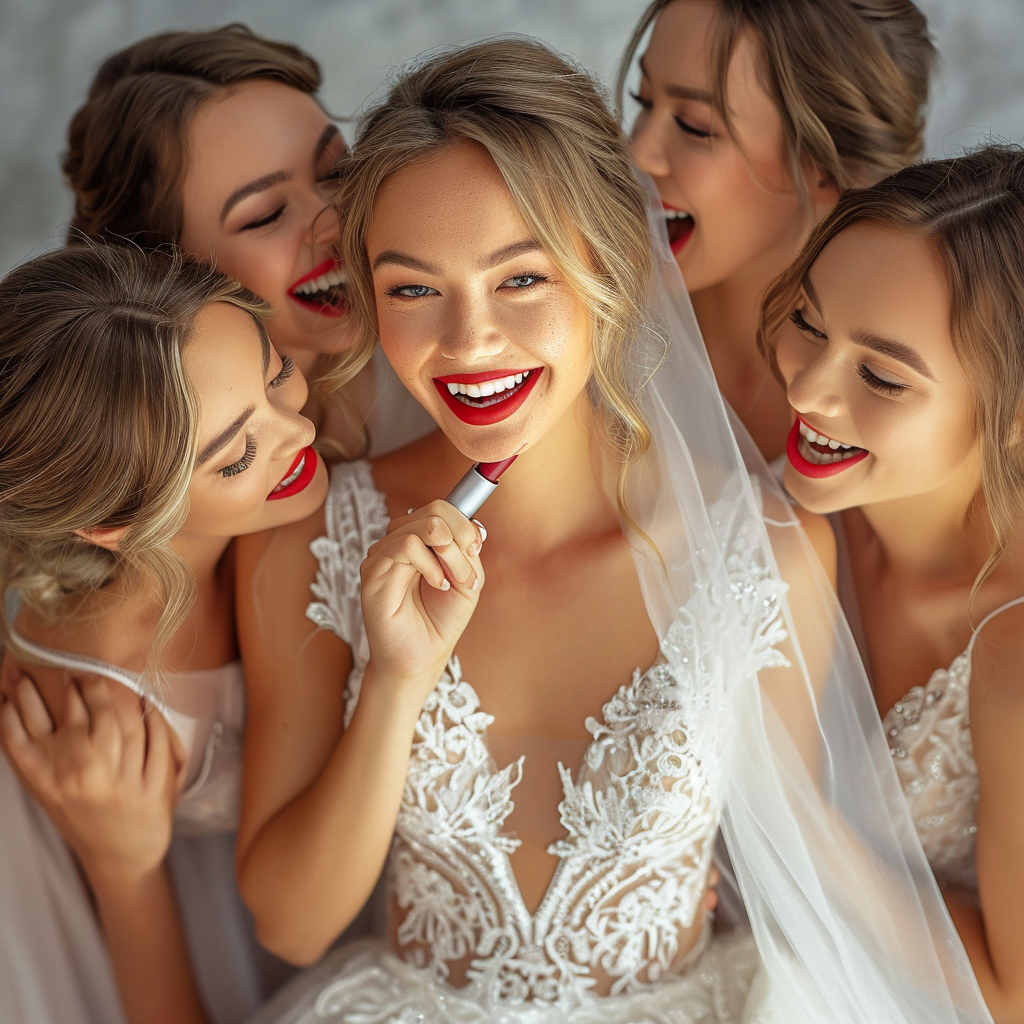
[[412, 291], [523, 281]]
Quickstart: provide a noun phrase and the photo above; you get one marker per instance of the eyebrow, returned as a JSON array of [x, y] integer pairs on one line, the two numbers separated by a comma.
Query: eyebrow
[[326, 137], [264, 343], [895, 349], [683, 92], [226, 435], [883, 346], [392, 257], [257, 185]]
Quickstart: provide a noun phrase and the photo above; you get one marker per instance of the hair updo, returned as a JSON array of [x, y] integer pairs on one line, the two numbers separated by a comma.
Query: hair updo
[[849, 77], [127, 152], [546, 124], [98, 421]]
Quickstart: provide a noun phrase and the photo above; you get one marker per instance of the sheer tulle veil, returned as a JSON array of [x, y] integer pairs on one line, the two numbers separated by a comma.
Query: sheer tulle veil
[[844, 908]]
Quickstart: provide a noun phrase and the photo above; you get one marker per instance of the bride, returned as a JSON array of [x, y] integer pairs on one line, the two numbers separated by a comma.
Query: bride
[[541, 760]]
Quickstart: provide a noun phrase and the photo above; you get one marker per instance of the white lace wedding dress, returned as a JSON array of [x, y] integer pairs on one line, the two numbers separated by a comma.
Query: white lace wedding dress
[[617, 936], [929, 736]]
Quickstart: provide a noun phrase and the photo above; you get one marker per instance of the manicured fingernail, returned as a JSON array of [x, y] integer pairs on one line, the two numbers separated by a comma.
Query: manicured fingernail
[[483, 530], [475, 583], [445, 585]]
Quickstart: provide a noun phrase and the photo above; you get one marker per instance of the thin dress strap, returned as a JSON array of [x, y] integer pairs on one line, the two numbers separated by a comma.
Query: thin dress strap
[[988, 618], [79, 662]]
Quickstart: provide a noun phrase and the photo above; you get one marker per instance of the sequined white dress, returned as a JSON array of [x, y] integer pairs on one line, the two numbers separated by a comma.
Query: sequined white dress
[[607, 942], [929, 736], [53, 963]]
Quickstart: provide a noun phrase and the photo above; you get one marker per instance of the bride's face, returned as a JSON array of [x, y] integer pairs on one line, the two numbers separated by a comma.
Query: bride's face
[[252, 437], [472, 312], [255, 201], [870, 366]]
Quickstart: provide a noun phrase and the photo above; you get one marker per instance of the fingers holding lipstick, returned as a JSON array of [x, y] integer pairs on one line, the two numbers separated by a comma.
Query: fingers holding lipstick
[[452, 541]]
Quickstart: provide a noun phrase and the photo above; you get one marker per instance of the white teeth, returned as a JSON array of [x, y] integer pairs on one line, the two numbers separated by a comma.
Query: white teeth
[[488, 388], [292, 477], [332, 278], [675, 214], [815, 437]]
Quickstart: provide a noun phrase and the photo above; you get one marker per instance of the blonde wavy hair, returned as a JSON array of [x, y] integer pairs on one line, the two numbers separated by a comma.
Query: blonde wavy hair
[[971, 209], [546, 124], [97, 424], [849, 77]]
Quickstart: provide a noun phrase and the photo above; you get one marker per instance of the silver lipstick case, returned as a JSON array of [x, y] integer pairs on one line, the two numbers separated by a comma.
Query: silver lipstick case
[[470, 493]]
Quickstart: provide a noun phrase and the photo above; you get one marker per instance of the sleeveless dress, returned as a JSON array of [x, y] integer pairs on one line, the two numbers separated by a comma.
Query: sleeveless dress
[[929, 737], [638, 819], [53, 963]]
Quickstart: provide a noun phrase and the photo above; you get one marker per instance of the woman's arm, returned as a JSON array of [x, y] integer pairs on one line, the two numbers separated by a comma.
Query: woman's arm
[[320, 800], [108, 779], [992, 933]]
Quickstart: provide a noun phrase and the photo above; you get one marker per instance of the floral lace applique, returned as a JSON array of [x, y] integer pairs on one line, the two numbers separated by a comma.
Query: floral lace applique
[[930, 740], [640, 816]]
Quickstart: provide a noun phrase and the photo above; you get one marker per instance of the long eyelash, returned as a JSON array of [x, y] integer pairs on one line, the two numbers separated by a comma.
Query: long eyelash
[[885, 387], [637, 98], [796, 318], [287, 369], [265, 221], [690, 130], [245, 461]]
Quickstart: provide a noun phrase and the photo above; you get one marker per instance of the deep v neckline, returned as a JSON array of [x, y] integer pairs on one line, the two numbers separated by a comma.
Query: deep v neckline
[[454, 670]]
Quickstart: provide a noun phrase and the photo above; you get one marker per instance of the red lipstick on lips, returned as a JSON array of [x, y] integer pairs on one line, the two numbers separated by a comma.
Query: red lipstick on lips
[[305, 464], [337, 308], [813, 469], [498, 406], [679, 229]]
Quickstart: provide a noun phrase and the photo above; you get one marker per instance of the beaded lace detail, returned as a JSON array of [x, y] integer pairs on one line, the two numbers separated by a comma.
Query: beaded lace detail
[[929, 738], [640, 815]]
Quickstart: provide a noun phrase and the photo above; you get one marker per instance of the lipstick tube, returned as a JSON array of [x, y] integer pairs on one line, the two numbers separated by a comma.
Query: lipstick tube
[[477, 486]]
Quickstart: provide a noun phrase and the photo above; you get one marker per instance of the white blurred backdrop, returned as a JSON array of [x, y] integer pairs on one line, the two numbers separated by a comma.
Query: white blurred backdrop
[[49, 50]]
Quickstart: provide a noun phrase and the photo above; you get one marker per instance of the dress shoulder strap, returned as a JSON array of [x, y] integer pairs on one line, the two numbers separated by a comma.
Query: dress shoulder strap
[[988, 618], [77, 662], [357, 516]]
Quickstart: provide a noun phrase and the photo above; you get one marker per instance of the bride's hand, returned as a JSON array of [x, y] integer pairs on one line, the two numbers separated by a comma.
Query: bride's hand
[[108, 784], [420, 586]]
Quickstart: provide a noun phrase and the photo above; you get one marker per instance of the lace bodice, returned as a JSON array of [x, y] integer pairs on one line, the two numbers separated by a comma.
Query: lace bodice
[[929, 737], [639, 817]]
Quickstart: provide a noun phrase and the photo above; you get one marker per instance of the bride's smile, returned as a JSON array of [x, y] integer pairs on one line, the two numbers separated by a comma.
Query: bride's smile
[[473, 313]]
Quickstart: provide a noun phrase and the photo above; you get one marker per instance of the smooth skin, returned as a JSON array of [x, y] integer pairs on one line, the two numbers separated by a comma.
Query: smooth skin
[[749, 219], [275, 148], [918, 534], [321, 800], [104, 765]]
